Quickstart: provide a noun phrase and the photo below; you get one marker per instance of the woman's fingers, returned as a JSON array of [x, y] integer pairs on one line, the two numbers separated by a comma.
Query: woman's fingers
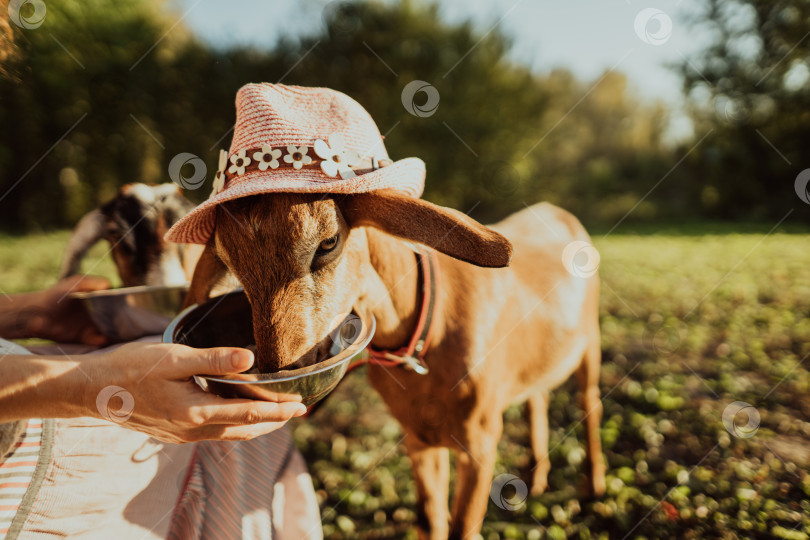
[[171, 407], [79, 284], [216, 361], [91, 283], [249, 412], [240, 433]]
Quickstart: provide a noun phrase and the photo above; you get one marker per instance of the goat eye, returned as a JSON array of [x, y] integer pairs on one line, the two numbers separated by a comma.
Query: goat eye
[[327, 245]]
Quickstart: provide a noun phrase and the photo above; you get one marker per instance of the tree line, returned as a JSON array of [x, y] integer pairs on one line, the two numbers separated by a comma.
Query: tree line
[[90, 103]]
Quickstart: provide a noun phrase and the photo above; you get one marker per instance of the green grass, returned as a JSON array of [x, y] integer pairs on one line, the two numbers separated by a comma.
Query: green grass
[[696, 228], [31, 262], [690, 324]]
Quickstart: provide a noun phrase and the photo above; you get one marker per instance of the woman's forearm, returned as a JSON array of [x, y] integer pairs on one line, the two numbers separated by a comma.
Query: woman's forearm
[[52, 313], [154, 391], [17, 313], [41, 387]]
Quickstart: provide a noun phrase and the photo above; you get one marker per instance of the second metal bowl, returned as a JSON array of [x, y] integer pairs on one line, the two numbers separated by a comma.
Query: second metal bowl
[[131, 312]]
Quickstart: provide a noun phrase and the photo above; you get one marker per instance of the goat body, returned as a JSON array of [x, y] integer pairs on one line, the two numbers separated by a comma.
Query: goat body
[[501, 335]]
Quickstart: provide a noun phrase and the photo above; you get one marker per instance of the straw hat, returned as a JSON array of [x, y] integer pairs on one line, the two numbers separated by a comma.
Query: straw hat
[[299, 140]]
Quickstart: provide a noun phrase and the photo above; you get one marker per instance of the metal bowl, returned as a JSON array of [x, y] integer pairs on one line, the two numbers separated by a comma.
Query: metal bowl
[[225, 321], [132, 312]]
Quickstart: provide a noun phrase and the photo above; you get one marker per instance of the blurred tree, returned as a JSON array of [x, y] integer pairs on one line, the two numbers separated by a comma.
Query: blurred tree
[[103, 94], [599, 150], [501, 136], [751, 86], [488, 106]]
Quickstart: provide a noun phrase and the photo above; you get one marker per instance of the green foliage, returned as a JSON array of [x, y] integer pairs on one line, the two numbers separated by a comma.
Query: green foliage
[[751, 89], [31, 262], [673, 469], [599, 151], [115, 95], [114, 98], [665, 385], [691, 321], [488, 107], [118, 95]]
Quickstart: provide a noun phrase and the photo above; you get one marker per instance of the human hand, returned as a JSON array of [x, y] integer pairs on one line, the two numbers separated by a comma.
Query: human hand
[[51, 314], [148, 387]]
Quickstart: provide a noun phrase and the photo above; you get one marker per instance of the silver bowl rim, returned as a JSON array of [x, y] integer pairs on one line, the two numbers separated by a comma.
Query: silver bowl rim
[[288, 375], [124, 291]]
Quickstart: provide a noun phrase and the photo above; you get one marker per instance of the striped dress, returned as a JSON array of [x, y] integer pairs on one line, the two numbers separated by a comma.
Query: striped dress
[[17, 477]]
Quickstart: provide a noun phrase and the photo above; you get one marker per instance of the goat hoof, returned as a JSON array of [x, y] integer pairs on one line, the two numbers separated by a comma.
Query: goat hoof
[[598, 486], [539, 484], [592, 488]]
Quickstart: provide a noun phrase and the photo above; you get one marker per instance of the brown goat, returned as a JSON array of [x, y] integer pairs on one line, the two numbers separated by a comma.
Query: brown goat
[[133, 223], [500, 336]]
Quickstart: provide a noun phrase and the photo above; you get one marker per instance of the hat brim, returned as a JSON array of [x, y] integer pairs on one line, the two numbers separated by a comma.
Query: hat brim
[[405, 175]]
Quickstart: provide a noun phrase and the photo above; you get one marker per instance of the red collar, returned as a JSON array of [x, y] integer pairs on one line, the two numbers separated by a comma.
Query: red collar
[[412, 355]]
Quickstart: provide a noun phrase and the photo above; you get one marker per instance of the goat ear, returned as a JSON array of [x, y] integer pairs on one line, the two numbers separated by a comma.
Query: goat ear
[[89, 230], [443, 229]]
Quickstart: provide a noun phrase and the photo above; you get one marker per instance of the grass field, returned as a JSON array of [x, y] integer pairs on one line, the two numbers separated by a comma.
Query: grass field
[[690, 324]]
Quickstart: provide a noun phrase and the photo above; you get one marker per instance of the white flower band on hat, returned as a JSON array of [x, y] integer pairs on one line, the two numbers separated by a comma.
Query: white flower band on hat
[[335, 160], [267, 157], [219, 179], [297, 156], [240, 162]]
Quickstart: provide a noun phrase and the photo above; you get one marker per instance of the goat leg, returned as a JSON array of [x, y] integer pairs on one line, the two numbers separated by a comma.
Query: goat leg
[[538, 413], [475, 465], [431, 470], [590, 400]]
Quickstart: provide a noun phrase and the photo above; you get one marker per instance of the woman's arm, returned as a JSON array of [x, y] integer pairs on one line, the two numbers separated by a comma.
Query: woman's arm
[[147, 387], [39, 387], [51, 314]]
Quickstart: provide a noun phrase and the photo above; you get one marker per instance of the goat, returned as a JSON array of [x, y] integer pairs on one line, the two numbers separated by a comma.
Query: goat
[[134, 223], [500, 335]]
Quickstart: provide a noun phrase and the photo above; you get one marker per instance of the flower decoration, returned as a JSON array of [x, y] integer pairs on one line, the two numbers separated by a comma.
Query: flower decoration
[[297, 155], [239, 161], [219, 179], [337, 159], [267, 157]]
